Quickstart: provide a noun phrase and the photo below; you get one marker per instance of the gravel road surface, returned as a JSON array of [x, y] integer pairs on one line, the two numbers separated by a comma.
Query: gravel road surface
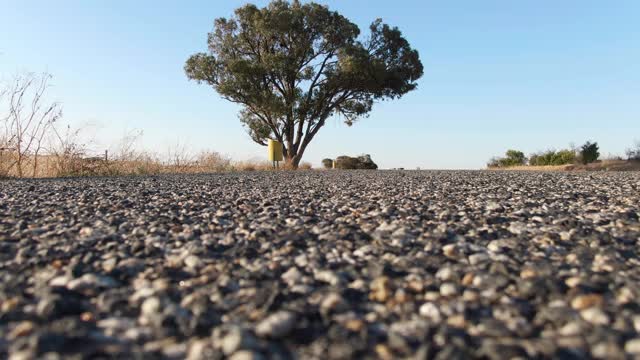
[[322, 265]]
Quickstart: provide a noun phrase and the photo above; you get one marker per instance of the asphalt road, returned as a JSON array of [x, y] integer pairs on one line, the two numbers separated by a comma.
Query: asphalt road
[[322, 264]]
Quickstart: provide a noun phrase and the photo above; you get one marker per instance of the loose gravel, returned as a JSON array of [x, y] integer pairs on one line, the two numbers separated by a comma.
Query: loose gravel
[[322, 265]]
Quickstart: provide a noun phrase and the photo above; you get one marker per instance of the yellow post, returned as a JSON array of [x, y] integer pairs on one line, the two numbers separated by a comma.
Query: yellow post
[[275, 151]]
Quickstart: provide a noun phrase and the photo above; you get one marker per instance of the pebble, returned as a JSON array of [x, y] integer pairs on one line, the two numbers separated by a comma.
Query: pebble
[[246, 355], [582, 302], [431, 312], [478, 259], [276, 325], [595, 316], [448, 289], [632, 346], [333, 303]]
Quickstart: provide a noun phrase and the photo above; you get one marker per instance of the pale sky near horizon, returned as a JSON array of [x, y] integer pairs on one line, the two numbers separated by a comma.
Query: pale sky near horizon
[[499, 74]]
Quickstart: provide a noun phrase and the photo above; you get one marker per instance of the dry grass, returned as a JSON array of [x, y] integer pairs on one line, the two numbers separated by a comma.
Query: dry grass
[[52, 166], [604, 165]]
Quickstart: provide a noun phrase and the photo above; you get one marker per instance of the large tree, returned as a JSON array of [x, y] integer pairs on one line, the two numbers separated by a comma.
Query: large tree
[[292, 66]]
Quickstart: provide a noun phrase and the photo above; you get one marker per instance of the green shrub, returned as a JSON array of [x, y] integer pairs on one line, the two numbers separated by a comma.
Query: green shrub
[[589, 152], [327, 163], [513, 158], [552, 157], [516, 157]]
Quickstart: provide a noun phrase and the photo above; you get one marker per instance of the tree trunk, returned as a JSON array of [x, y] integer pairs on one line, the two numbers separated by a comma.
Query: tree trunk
[[293, 161]]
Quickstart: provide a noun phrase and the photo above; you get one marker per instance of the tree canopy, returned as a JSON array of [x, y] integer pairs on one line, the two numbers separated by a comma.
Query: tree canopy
[[292, 66]]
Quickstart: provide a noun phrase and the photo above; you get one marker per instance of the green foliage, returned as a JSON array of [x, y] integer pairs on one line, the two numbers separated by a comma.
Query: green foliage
[[512, 158], [292, 66], [516, 157], [589, 152], [551, 157], [327, 163]]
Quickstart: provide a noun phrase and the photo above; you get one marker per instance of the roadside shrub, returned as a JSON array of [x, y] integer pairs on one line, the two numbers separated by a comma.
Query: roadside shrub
[[589, 152], [552, 157], [512, 158], [212, 161], [305, 166], [352, 163], [516, 157], [327, 163], [252, 165], [633, 153]]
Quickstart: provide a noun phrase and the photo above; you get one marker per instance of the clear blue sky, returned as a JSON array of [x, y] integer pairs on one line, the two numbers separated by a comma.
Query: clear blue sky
[[499, 74]]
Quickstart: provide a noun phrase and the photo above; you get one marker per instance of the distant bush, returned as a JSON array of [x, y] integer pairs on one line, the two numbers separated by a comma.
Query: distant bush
[[327, 163], [305, 166], [589, 152], [360, 162], [552, 157], [512, 158], [633, 153], [212, 161]]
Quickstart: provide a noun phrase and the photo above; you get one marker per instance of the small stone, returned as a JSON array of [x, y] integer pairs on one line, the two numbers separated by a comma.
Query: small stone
[[150, 307], [595, 316], [467, 280], [448, 289], [333, 303], [380, 289], [636, 323], [446, 274], [87, 317], [234, 339], [430, 311], [451, 251], [276, 325], [22, 329], [607, 350], [292, 276], [470, 296], [354, 325], [109, 265], [625, 296], [9, 304], [86, 232], [632, 346], [193, 262], [301, 260], [415, 286], [573, 281], [572, 328], [199, 350], [328, 277], [494, 206], [457, 321], [582, 302], [246, 355], [91, 282], [479, 258], [432, 295], [384, 352], [115, 326], [528, 273]]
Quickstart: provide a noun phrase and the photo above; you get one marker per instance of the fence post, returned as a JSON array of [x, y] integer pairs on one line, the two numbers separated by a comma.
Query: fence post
[[106, 155]]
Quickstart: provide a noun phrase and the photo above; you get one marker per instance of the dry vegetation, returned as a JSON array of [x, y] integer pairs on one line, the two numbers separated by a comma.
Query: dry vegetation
[[140, 164], [32, 143], [604, 165]]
